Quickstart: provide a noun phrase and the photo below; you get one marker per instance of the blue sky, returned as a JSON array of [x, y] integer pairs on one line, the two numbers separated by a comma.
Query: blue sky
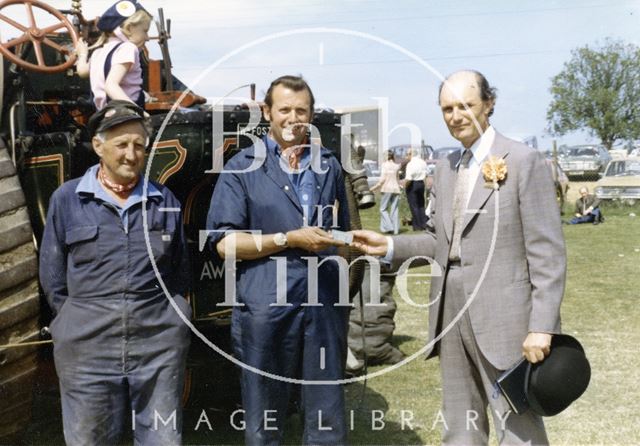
[[519, 46]]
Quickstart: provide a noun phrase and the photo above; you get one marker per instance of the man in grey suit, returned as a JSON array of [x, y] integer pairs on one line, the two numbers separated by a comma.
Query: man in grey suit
[[495, 232]]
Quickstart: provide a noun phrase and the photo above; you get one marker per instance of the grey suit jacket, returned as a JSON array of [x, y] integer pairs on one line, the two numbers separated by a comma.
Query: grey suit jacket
[[515, 236]]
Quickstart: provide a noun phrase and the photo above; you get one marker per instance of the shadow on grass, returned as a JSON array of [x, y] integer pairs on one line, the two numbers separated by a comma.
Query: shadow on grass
[[398, 340], [369, 423]]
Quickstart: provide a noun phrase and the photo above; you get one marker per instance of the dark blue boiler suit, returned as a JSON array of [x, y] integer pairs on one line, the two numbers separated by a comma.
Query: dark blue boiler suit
[[117, 339], [294, 341]]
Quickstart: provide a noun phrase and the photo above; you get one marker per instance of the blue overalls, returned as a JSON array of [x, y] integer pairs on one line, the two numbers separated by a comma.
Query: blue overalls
[[295, 341], [117, 339]]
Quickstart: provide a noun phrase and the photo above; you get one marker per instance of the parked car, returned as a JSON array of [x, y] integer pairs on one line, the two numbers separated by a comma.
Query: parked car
[[632, 148], [621, 181], [618, 154], [373, 172], [401, 151], [438, 154], [586, 161], [548, 152]]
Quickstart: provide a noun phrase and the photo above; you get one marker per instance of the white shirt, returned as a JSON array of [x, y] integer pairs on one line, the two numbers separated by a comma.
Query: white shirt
[[416, 169], [479, 150]]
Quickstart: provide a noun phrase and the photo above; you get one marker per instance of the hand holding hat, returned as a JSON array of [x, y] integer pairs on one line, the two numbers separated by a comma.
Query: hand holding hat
[[550, 386], [560, 379]]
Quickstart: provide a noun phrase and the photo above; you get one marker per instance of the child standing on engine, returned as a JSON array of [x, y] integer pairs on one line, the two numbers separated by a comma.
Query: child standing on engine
[[114, 67]]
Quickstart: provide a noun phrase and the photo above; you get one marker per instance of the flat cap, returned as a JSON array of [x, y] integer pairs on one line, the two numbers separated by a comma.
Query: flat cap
[[116, 112]]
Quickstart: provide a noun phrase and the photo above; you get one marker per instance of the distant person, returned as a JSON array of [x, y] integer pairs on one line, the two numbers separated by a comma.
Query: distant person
[[114, 68], [389, 186], [403, 165], [405, 220], [415, 175], [587, 209]]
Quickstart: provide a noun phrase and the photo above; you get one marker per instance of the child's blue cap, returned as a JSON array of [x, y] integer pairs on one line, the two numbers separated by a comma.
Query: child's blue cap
[[118, 13]]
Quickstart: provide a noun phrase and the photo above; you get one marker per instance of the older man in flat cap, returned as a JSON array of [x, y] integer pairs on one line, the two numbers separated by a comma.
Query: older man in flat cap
[[120, 342]]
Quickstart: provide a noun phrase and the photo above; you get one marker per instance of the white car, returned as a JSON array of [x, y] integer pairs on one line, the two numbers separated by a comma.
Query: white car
[[587, 161], [621, 181]]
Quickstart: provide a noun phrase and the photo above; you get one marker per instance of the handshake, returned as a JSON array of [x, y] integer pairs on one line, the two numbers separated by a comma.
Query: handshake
[[315, 239]]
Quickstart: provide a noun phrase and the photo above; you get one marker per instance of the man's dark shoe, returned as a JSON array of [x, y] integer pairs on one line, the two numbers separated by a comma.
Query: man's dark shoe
[[596, 222]]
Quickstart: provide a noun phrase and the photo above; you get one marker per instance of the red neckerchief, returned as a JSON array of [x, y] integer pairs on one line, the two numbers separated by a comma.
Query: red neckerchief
[[293, 154], [118, 189]]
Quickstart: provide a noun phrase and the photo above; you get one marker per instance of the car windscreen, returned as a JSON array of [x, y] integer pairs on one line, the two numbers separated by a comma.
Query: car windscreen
[[442, 153], [581, 151], [623, 168]]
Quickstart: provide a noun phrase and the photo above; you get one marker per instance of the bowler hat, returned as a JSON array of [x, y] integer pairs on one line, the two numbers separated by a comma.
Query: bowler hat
[[553, 384], [117, 13], [116, 112]]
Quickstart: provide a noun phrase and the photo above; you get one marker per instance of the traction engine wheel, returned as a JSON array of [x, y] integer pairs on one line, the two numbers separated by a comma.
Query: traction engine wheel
[[37, 36]]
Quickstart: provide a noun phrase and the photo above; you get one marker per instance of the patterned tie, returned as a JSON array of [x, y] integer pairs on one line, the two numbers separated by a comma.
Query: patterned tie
[[459, 203]]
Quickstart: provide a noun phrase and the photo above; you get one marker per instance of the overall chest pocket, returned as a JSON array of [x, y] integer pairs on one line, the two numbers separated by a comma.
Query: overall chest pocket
[[82, 243], [161, 241]]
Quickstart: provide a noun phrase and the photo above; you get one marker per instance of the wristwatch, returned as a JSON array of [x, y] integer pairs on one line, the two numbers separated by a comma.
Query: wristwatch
[[280, 239]]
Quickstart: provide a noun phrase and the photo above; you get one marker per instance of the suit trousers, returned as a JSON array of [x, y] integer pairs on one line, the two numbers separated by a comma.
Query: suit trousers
[[415, 197], [468, 383]]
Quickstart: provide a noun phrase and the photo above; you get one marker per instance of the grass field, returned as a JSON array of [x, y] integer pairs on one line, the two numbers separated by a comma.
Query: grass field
[[601, 308]]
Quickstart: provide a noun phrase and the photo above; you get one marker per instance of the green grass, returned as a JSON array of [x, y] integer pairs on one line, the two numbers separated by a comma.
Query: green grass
[[601, 308]]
